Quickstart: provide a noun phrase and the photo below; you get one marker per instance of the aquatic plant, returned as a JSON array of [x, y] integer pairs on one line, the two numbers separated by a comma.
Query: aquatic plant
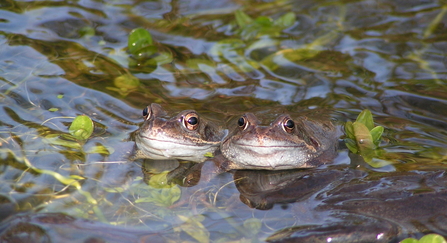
[[362, 137]]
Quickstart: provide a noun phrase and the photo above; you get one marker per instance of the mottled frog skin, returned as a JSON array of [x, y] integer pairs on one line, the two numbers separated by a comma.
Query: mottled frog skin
[[276, 140], [185, 136]]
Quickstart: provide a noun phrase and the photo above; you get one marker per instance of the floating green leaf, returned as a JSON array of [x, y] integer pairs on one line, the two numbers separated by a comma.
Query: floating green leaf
[[410, 240], [363, 138], [352, 145], [81, 128], [145, 56], [430, 238], [138, 39], [363, 132], [364, 141], [376, 134], [366, 118], [349, 129]]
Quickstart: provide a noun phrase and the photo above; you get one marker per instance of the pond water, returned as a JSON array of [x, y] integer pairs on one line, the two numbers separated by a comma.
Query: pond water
[[60, 59]]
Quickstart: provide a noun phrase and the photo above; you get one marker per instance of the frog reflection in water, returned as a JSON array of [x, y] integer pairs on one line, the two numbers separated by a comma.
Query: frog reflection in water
[[185, 136], [286, 143]]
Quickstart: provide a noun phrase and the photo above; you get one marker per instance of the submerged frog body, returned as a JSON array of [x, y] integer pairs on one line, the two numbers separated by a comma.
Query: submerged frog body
[[185, 136], [285, 143]]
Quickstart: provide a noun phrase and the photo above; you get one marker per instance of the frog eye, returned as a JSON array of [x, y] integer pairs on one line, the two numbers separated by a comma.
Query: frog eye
[[288, 125], [242, 123], [147, 113], [191, 121]]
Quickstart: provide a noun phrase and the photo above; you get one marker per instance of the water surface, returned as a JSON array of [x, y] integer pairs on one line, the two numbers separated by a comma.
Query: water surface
[[60, 59]]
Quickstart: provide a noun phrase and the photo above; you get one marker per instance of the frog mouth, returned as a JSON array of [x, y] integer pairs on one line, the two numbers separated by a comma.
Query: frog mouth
[[167, 149], [269, 145]]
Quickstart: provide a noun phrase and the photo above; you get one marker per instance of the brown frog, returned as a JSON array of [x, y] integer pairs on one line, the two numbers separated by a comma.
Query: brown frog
[[185, 136], [286, 143]]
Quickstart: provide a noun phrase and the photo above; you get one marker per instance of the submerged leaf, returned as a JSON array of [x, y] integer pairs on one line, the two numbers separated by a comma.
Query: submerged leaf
[[194, 63], [252, 225], [264, 21], [100, 149], [286, 20], [145, 52], [125, 84], [65, 140], [81, 128], [160, 180], [193, 227], [163, 197], [283, 57], [242, 18], [163, 58], [303, 54], [378, 163]]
